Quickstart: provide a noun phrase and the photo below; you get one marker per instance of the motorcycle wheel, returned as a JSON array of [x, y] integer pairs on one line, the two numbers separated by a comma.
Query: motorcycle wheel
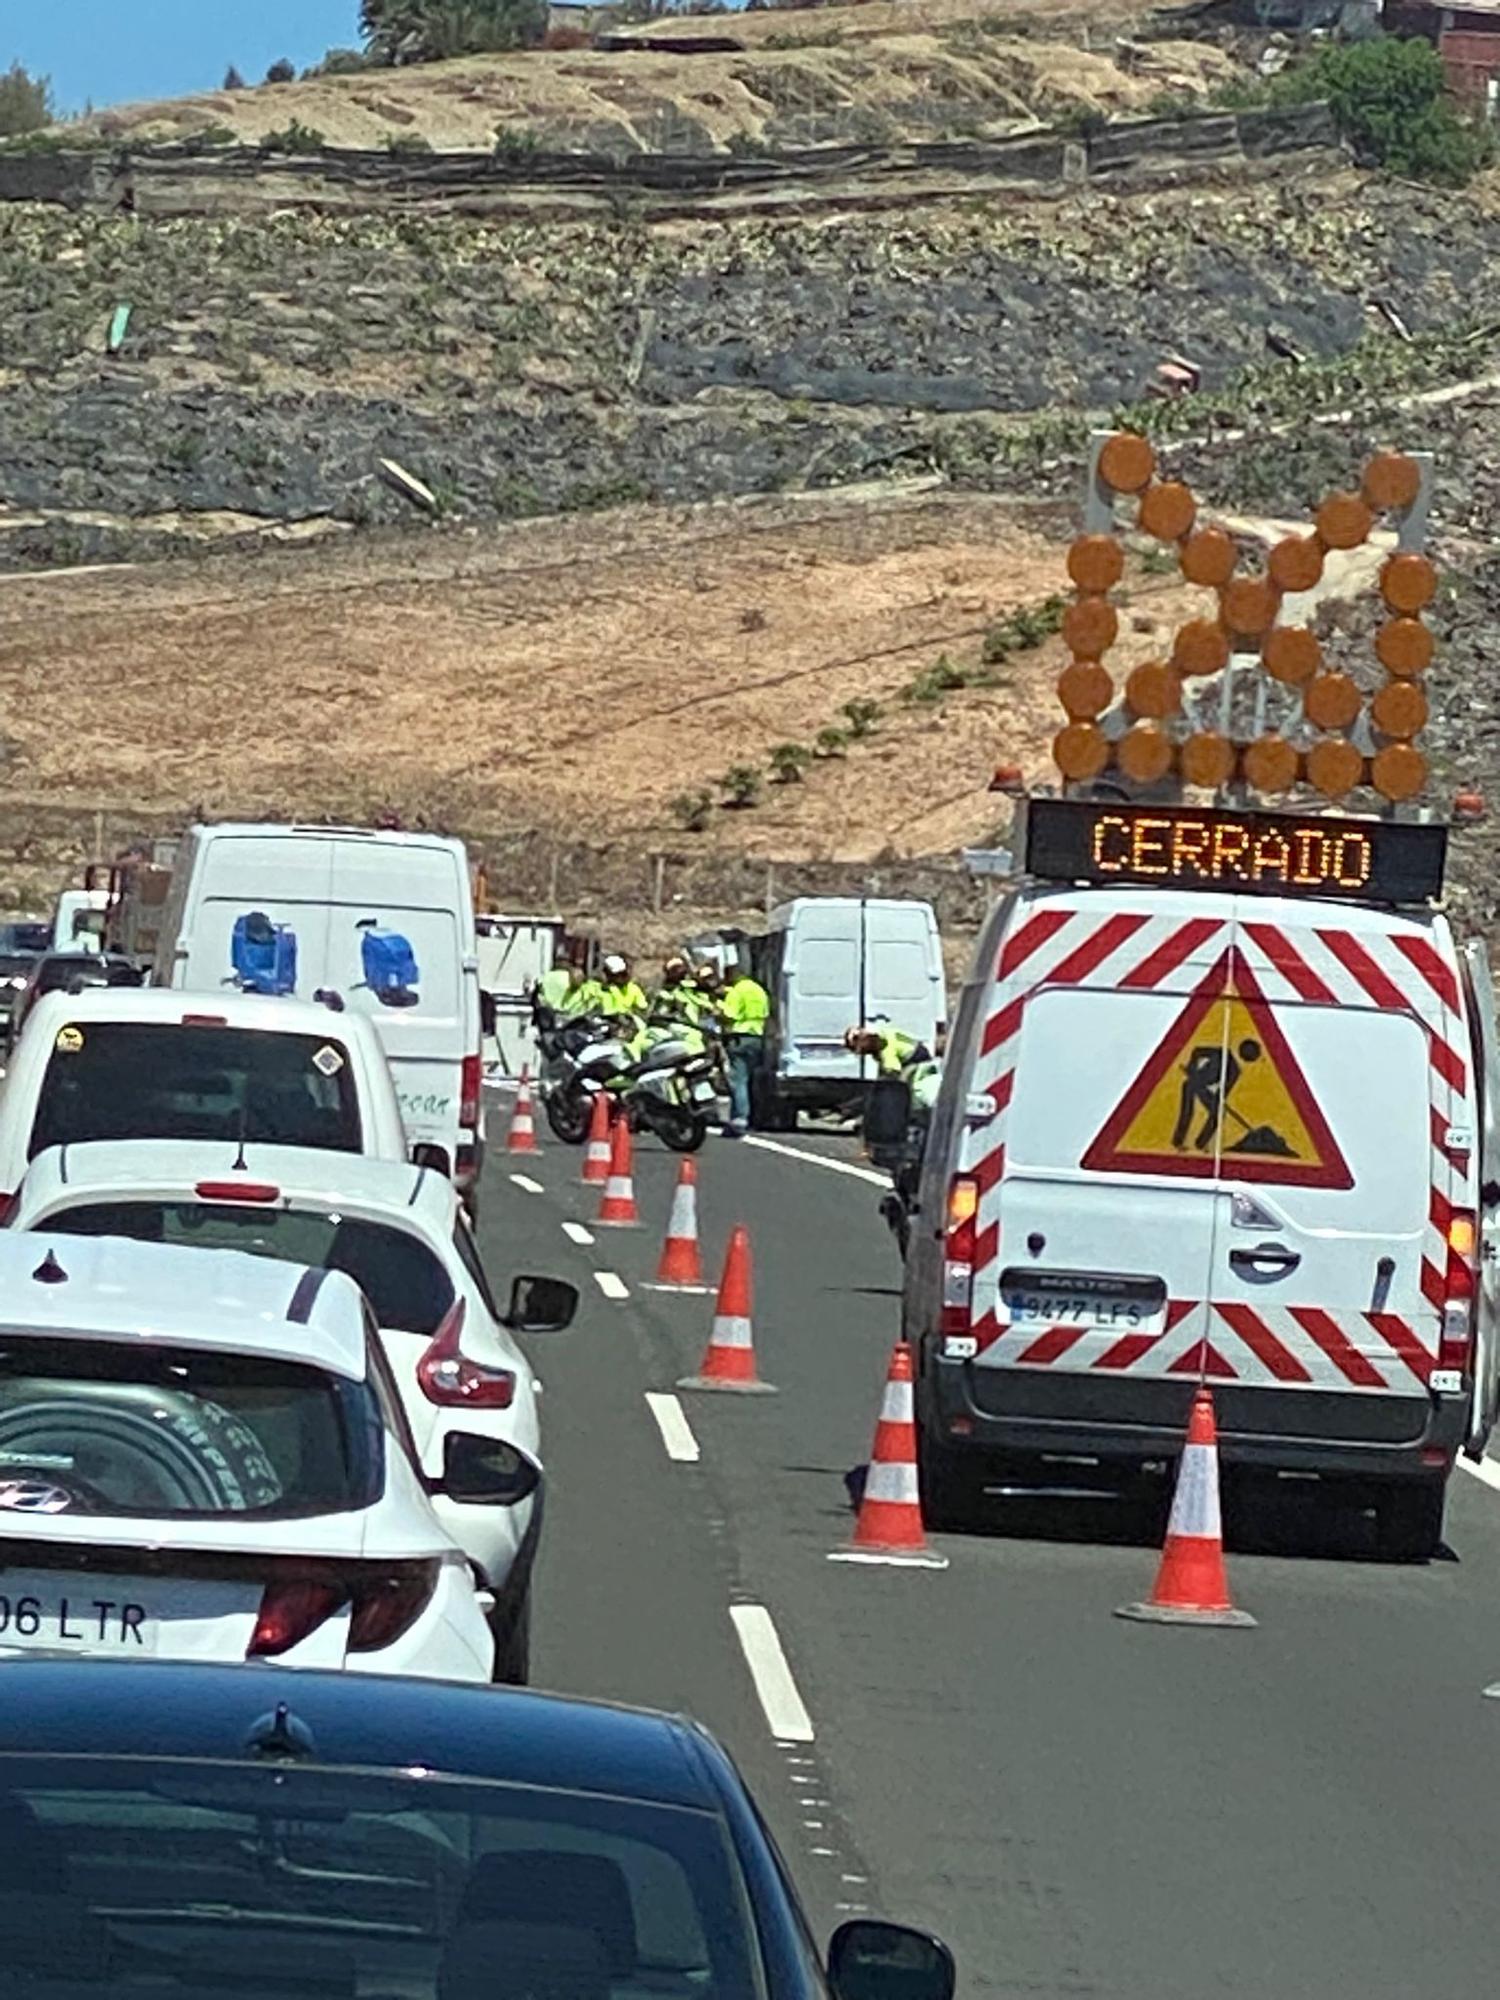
[[679, 1130], [568, 1115]]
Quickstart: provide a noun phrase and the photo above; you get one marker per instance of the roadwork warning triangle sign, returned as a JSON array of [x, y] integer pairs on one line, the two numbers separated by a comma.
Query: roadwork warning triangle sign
[[1222, 1096]]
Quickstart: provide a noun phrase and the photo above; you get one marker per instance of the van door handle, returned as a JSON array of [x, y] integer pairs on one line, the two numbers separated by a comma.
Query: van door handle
[[1264, 1262]]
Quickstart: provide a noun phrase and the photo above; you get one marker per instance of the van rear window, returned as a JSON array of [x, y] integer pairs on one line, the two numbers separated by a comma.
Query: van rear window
[[163, 1080]]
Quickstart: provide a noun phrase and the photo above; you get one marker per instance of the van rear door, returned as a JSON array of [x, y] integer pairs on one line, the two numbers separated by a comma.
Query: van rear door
[[820, 992], [1094, 1244], [903, 968]]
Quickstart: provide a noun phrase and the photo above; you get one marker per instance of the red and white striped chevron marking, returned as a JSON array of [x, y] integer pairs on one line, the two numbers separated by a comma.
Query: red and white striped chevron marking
[[1318, 962]]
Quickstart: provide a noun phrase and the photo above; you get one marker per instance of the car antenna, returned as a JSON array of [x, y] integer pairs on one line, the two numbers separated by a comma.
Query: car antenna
[[49, 1271], [239, 1165], [280, 1735]]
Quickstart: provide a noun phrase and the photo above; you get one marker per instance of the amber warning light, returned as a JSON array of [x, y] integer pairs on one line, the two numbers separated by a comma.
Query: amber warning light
[[1272, 853]]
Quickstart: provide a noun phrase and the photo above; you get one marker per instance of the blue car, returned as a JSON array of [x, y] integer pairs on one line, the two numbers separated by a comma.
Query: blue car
[[195, 1832]]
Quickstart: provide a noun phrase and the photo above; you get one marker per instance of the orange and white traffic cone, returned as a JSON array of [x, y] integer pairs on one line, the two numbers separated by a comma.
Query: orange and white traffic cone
[[729, 1359], [681, 1267], [889, 1528], [596, 1153], [618, 1210], [522, 1135], [1191, 1587]]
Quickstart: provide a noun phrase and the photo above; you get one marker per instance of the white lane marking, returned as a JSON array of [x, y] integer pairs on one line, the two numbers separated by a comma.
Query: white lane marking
[[676, 1431], [527, 1184], [760, 1643], [612, 1287], [1485, 1469], [818, 1160], [576, 1233]]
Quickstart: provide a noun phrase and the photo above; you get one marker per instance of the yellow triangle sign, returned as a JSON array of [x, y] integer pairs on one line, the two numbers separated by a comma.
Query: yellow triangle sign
[[1222, 1097]]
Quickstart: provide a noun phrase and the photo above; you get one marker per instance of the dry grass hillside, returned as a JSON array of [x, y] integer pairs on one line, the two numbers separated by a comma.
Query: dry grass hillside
[[880, 72]]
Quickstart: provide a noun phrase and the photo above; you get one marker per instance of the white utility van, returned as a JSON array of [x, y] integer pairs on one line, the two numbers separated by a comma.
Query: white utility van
[[514, 952], [78, 920], [380, 923], [831, 963], [1219, 1105]]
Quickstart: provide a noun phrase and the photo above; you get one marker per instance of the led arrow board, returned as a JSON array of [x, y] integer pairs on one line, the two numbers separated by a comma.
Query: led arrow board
[[1183, 847]]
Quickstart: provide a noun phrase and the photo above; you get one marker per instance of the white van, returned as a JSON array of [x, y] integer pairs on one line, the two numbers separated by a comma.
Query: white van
[[140, 1063], [78, 920], [829, 964], [381, 922], [1230, 1121]]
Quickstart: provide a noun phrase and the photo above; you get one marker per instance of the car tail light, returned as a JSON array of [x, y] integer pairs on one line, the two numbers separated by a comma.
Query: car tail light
[[448, 1377], [1457, 1334], [468, 1092], [291, 1612], [205, 1021], [261, 1191], [387, 1606], [7, 1208], [955, 1315]]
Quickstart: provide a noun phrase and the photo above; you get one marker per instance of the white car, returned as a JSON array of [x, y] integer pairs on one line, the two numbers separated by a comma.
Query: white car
[[401, 1233], [145, 1063], [202, 1457]]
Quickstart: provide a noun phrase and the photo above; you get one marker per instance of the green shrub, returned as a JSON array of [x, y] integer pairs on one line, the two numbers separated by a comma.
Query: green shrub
[[692, 810], [516, 142], [789, 761], [294, 138], [934, 682], [831, 742], [863, 714], [1389, 98], [740, 785], [407, 145]]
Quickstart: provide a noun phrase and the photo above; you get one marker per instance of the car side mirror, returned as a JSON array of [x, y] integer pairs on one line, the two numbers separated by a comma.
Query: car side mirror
[[485, 1471], [487, 1012], [887, 1112], [872, 1960], [541, 1305]]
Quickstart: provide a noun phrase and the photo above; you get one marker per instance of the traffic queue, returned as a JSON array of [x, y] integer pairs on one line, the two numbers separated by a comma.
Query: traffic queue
[[261, 1411]]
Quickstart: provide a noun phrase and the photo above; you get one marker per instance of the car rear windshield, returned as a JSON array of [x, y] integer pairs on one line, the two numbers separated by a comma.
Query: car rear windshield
[[167, 1080], [408, 1288], [114, 1429], [197, 1880]]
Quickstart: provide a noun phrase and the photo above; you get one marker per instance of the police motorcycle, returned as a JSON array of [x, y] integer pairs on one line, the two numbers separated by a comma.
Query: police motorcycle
[[895, 1128], [663, 1075]]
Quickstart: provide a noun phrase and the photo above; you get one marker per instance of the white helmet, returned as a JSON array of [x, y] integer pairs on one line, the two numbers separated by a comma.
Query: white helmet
[[615, 967]]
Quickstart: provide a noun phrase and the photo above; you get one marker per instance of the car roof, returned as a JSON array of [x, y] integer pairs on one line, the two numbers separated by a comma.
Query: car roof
[[221, 1301], [166, 1004], [281, 830], [102, 1708], [302, 1173]]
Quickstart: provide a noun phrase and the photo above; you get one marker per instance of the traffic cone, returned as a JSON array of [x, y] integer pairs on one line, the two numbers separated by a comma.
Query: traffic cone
[[596, 1153], [522, 1136], [681, 1267], [1191, 1587], [889, 1527], [618, 1210], [729, 1359]]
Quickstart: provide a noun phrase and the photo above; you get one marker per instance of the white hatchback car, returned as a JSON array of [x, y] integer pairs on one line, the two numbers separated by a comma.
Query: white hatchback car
[[401, 1233], [146, 1063], [202, 1457]]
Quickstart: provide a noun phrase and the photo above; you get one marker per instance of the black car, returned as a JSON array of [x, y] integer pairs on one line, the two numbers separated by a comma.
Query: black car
[[195, 1832], [16, 968], [70, 972], [28, 936]]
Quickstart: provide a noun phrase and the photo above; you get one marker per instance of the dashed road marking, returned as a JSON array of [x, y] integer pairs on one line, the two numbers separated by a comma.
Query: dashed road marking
[[612, 1286], [576, 1233], [819, 1160], [760, 1642], [527, 1184], [676, 1431]]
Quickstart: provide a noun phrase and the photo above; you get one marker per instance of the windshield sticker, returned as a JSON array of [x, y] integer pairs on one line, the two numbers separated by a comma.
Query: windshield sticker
[[70, 1040], [328, 1061]]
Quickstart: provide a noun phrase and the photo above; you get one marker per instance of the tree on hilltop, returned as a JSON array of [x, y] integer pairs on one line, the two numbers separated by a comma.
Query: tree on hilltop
[[25, 102], [406, 31]]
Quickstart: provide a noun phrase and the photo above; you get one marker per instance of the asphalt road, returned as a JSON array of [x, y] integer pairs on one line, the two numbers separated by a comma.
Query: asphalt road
[[1080, 1805]]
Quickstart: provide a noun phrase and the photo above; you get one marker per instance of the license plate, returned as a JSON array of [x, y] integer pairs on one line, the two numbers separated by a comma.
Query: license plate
[[704, 1092], [1075, 1309], [42, 1612]]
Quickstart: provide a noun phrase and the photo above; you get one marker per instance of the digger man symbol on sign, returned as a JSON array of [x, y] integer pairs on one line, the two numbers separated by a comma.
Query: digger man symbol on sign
[[1208, 1079]]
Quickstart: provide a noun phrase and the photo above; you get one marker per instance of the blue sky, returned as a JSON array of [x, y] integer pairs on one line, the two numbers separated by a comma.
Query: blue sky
[[112, 51]]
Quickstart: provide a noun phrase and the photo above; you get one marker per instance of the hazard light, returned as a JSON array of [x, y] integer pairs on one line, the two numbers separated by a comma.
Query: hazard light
[[256, 1191], [1461, 1235], [956, 1307], [963, 1201]]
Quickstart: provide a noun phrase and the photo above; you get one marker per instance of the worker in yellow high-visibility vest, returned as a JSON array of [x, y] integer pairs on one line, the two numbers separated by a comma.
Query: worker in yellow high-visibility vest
[[745, 1010]]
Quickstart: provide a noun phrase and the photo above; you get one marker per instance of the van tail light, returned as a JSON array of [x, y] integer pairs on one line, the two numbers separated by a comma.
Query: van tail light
[[468, 1092], [956, 1313], [450, 1379], [7, 1207], [290, 1612], [1456, 1338], [389, 1605]]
